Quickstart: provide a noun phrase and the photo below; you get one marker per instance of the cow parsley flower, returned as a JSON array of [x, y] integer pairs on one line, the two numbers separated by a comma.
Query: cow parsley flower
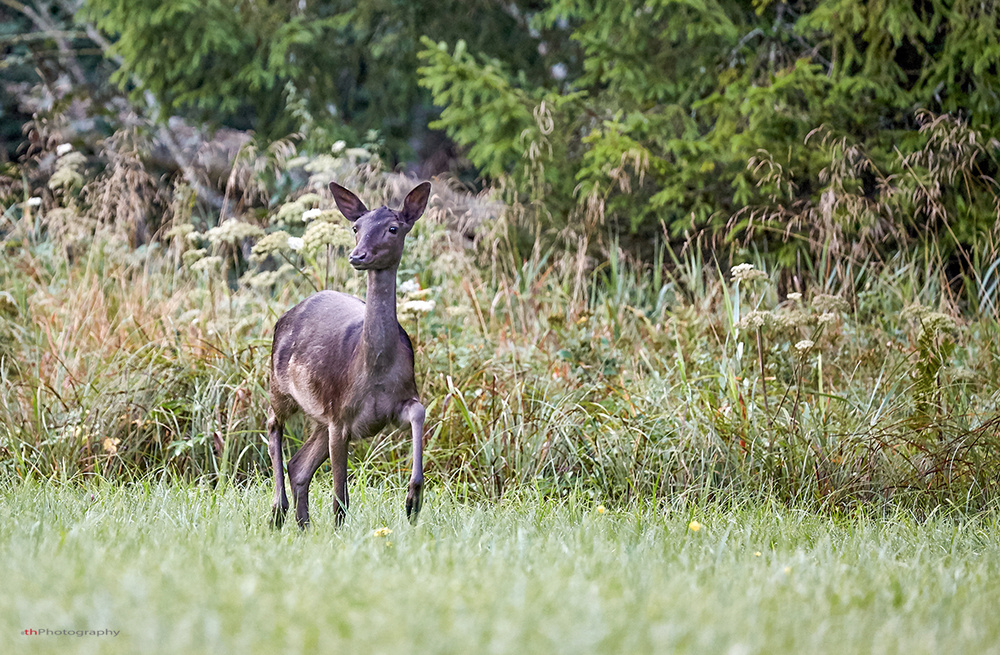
[[756, 320], [746, 273], [206, 264], [417, 307], [293, 213], [192, 256], [323, 233], [409, 286], [233, 231], [804, 346], [825, 303], [272, 244]]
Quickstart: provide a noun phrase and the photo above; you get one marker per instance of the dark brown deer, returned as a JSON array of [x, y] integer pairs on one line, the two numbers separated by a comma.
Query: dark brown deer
[[347, 364]]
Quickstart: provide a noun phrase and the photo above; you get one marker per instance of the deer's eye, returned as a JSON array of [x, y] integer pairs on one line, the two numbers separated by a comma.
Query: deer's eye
[[393, 229], [355, 227]]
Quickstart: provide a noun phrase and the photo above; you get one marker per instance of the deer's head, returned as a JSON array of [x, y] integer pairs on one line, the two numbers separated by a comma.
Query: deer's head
[[379, 233]]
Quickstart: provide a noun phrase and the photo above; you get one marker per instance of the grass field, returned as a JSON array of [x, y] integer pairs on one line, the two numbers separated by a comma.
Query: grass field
[[192, 569], [586, 411]]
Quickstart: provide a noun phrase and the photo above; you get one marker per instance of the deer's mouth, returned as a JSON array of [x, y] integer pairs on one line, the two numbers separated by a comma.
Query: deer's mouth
[[361, 261]]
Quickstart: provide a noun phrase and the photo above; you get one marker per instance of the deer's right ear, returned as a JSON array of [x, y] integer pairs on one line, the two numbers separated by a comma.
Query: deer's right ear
[[348, 203]]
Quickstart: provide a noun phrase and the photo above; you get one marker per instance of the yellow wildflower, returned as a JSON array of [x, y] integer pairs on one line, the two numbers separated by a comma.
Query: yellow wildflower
[[382, 532], [694, 526]]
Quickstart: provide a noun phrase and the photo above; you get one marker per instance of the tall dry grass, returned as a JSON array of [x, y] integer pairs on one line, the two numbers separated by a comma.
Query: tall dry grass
[[554, 361]]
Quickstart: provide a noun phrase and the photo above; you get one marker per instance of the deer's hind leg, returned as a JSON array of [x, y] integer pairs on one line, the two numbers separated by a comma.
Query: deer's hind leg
[[275, 432], [301, 468]]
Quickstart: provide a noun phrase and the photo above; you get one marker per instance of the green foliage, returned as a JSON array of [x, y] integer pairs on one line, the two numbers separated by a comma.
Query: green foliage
[[481, 103], [218, 57], [671, 100], [343, 68]]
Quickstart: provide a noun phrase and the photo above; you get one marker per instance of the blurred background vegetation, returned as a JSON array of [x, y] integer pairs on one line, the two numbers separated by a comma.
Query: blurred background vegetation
[[600, 171]]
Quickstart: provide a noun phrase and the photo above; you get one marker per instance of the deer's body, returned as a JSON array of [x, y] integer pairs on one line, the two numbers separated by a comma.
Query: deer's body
[[347, 364]]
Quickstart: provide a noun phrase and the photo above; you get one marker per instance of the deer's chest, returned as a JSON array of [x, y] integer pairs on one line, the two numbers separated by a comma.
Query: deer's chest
[[372, 407]]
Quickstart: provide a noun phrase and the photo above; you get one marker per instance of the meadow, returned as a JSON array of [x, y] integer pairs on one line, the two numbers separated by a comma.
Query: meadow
[[187, 568], [702, 452], [705, 308]]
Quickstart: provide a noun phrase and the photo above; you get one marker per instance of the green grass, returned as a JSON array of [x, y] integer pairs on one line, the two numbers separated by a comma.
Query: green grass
[[191, 569]]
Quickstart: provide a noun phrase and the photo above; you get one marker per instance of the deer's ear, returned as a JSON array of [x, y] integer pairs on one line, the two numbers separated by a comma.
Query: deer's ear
[[416, 201], [348, 203]]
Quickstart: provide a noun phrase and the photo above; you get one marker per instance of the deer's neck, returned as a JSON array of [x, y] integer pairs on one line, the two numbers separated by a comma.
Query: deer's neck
[[380, 335]]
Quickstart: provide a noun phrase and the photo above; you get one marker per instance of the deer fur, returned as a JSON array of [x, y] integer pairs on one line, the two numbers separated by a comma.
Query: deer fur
[[347, 364]]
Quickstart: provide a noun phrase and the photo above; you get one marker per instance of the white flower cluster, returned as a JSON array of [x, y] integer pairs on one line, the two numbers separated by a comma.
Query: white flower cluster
[[756, 320], [415, 300], [272, 244], [825, 303], [192, 256], [930, 321], [181, 230], [416, 307], [69, 172], [409, 286], [320, 234], [206, 264], [232, 232], [746, 273], [293, 213], [267, 279], [804, 346]]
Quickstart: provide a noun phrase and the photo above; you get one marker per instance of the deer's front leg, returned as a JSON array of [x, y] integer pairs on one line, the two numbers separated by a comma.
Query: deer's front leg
[[338, 466], [413, 413]]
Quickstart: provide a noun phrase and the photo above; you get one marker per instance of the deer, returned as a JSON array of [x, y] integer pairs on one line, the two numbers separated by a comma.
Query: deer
[[347, 364]]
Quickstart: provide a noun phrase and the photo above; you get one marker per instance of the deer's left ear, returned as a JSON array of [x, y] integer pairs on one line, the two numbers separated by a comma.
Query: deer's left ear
[[415, 203]]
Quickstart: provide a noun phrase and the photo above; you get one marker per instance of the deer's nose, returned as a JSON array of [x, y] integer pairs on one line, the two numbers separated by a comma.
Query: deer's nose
[[357, 258]]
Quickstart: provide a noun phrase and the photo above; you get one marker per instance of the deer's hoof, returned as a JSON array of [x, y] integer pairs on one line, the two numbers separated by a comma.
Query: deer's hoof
[[414, 498], [278, 516]]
